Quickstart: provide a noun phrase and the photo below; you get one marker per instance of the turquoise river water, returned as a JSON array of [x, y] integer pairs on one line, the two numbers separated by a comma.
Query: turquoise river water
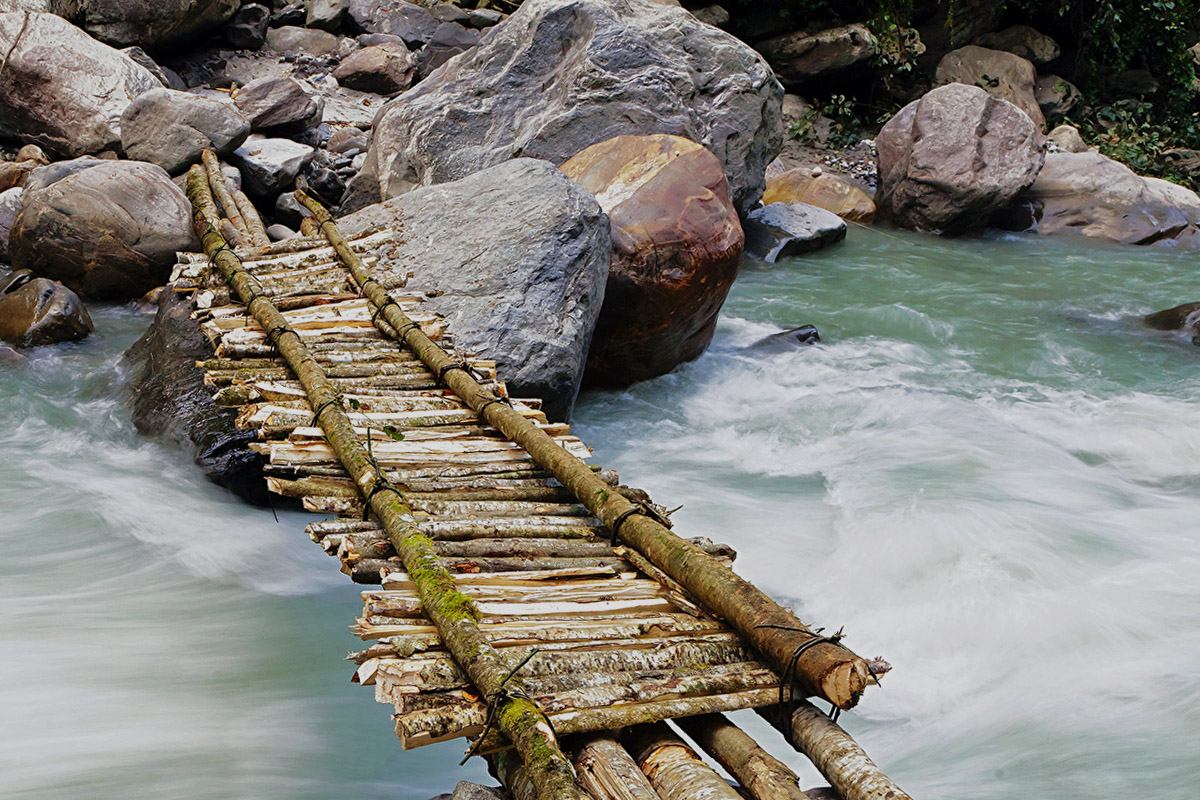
[[988, 473]]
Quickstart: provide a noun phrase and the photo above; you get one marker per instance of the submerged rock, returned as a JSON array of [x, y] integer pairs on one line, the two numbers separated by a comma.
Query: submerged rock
[[38, 311], [677, 247], [950, 159], [170, 400], [106, 229], [560, 75], [803, 336], [519, 254], [1185, 318], [780, 230], [63, 89]]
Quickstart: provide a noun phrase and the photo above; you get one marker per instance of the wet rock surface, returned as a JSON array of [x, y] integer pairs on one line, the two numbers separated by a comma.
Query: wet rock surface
[[1088, 194], [171, 402], [38, 311], [677, 247], [781, 230]]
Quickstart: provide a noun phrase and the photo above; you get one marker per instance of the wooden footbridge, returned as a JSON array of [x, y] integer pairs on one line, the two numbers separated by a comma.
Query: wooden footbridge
[[518, 597]]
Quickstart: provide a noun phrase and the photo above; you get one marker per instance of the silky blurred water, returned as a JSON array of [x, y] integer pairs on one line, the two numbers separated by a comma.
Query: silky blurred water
[[988, 473]]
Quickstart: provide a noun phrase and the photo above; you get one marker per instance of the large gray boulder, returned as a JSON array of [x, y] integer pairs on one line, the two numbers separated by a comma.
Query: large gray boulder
[[279, 106], [950, 159], [1089, 194], [598, 68], [109, 229], [520, 254], [1003, 75], [171, 129], [152, 24], [63, 89]]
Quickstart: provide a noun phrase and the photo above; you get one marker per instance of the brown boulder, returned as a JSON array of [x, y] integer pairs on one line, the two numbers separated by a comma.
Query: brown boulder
[[1002, 75], [677, 247], [41, 311], [952, 158], [1023, 41], [823, 190], [13, 173]]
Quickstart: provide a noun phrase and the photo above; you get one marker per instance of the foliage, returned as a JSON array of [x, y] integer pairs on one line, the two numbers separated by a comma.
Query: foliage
[[833, 123], [1134, 132]]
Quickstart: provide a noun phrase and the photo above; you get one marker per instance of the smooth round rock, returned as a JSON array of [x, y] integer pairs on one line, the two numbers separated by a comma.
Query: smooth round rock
[[42, 312]]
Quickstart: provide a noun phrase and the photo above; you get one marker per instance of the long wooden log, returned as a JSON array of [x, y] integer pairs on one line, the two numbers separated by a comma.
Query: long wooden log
[[520, 719], [849, 770], [254, 224], [674, 769], [216, 182], [607, 770], [819, 666], [763, 775]]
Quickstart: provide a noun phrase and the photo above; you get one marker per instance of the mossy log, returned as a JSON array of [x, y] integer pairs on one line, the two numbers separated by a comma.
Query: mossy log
[[821, 667], [525, 725]]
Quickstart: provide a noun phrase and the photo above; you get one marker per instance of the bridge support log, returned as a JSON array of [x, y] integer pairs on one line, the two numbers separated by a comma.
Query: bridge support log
[[452, 612], [608, 772], [816, 665], [849, 770], [763, 775], [674, 769]]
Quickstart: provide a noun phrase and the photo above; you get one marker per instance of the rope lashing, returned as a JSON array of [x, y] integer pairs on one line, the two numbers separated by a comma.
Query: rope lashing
[[787, 681], [493, 702], [639, 507]]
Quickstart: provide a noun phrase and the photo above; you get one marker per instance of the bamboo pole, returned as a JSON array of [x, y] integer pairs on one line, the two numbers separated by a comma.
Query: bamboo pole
[[674, 769], [818, 666], [847, 767], [763, 775], [515, 714], [608, 772], [216, 181]]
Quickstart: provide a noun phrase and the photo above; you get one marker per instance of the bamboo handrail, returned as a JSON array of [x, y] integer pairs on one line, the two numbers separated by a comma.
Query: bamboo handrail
[[819, 666], [452, 612]]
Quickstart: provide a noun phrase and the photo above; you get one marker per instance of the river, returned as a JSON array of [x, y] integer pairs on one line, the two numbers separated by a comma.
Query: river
[[987, 472]]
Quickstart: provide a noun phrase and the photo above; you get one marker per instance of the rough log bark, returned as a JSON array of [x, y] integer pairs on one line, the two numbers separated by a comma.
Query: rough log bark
[[674, 769], [849, 770], [525, 725], [766, 777], [824, 668], [607, 771]]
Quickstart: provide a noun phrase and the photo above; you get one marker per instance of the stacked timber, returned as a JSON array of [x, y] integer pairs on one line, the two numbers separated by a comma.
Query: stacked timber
[[508, 604]]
